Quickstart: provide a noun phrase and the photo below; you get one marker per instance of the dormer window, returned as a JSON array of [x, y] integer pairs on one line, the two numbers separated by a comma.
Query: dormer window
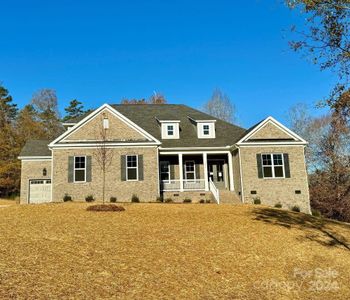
[[170, 129], [206, 130]]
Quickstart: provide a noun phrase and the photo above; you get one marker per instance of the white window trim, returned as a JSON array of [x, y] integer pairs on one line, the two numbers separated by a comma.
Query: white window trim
[[194, 170], [137, 167], [273, 166], [176, 130], [200, 130], [168, 163], [172, 129], [204, 130], [79, 169]]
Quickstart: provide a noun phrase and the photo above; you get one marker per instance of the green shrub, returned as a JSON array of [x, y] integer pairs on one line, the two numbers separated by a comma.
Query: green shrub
[[89, 198], [257, 201], [168, 200], [135, 198], [113, 199], [202, 201], [66, 198], [187, 200], [316, 213], [296, 208], [278, 205]]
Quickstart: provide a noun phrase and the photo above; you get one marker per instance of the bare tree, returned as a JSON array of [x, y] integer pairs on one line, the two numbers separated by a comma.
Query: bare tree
[[103, 154], [220, 106]]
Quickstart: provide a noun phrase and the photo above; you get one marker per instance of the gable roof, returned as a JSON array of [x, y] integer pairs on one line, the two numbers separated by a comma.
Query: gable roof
[[147, 115], [36, 148]]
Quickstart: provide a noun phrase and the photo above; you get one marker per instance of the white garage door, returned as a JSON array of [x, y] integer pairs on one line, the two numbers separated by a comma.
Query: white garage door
[[39, 190]]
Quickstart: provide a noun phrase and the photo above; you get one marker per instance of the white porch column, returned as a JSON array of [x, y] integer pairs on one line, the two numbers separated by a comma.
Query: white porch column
[[205, 164], [230, 170], [181, 173]]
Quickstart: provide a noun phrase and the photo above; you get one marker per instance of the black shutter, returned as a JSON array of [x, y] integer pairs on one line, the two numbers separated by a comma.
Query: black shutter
[[88, 168], [286, 165], [140, 166], [123, 167], [198, 172], [172, 171], [70, 168], [259, 164]]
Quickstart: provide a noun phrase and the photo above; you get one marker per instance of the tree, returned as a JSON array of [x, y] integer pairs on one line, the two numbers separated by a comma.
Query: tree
[[74, 110], [8, 110], [327, 38], [46, 104], [220, 106], [157, 98], [103, 154], [133, 101]]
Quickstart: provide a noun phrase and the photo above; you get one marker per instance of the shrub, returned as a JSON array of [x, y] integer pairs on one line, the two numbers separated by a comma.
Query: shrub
[[296, 208], [278, 205], [105, 207], [316, 213], [113, 199], [187, 200], [159, 199], [202, 201], [135, 198], [168, 200], [256, 201], [208, 201], [66, 198], [89, 198]]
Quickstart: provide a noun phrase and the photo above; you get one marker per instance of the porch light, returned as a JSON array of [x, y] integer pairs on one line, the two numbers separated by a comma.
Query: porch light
[[44, 172]]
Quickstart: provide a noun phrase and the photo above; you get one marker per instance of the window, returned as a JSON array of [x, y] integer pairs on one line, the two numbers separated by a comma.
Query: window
[[131, 167], [190, 173], [170, 130], [273, 165], [79, 169], [206, 130], [164, 171]]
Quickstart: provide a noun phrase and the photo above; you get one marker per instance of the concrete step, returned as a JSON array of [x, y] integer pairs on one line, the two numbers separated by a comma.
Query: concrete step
[[229, 197]]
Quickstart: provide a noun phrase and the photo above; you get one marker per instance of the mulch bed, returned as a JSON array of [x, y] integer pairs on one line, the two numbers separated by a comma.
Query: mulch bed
[[105, 207]]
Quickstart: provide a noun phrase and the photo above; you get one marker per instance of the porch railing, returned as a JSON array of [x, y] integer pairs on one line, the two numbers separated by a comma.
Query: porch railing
[[188, 185], [214, 190]]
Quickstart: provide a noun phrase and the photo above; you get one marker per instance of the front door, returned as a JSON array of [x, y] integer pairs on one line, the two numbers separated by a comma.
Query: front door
[[216, 172]]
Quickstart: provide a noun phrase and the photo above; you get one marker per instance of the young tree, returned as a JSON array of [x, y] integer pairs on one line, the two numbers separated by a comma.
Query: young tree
[[8, 110], [45, 103], [103, 154], [75, 109], [327, 38], [157, 98], [220, 106]]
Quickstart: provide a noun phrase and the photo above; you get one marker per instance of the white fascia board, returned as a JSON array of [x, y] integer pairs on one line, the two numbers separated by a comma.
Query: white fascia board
[[32, 158], [202, 121], [115, 113], [291, 144], [194, 152], [85, 145], [68, 124], [168, 121], [278, 124], [194, 148]]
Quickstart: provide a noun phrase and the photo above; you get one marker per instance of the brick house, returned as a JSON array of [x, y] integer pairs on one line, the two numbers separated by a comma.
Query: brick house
[[168, 151]]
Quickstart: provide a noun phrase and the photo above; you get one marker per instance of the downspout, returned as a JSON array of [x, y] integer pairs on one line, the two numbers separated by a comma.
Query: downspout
[[241, 173]]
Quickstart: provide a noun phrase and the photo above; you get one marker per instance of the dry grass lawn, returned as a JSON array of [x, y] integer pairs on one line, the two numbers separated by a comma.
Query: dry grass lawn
[[168, 251]]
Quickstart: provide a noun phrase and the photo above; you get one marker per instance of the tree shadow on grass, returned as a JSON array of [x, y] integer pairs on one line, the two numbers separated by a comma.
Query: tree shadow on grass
[[316, 229]]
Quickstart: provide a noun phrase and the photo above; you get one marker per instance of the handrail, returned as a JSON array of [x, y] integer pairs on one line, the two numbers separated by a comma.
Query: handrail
[[214, 190]]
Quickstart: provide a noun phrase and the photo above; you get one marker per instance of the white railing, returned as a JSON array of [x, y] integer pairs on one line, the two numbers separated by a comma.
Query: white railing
[[214, 190], [188, 185]]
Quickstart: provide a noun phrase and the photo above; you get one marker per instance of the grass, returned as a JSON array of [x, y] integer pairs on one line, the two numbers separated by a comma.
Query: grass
[[169, 251]]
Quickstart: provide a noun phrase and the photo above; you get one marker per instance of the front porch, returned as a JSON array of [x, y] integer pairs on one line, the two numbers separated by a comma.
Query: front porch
[[186, 172]]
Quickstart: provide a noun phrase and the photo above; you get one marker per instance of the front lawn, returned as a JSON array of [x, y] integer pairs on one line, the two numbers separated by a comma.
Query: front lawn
[[171, 251]]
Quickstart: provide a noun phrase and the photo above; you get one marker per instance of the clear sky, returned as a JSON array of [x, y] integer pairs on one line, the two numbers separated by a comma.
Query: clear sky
[[103, 51]]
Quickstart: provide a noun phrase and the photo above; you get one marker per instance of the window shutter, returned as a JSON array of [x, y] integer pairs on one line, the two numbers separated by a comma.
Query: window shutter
[[172, 171], [198, 172], [123, 167], [70, 168], [140, 166], [259, 163], [286, 165], [88, 168]]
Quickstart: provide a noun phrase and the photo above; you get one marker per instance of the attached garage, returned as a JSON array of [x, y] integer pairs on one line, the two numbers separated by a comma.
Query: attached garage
[[39, 191]]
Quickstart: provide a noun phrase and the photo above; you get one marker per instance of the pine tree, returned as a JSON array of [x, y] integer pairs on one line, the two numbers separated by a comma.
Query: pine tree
[[74, 110], [8, 110]]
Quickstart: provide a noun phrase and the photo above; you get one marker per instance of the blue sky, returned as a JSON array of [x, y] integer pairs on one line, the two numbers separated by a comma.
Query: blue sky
[[103, 51]]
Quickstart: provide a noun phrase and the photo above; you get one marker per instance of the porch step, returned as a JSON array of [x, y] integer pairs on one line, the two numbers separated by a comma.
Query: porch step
[[229, 197]]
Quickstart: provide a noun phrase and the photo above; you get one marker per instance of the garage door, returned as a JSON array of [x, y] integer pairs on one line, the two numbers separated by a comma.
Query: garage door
[[39, 191]]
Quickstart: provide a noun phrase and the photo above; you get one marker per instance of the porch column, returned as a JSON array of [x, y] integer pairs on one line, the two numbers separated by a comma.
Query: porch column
[[205, 165], [181, 173], [230, 170]]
